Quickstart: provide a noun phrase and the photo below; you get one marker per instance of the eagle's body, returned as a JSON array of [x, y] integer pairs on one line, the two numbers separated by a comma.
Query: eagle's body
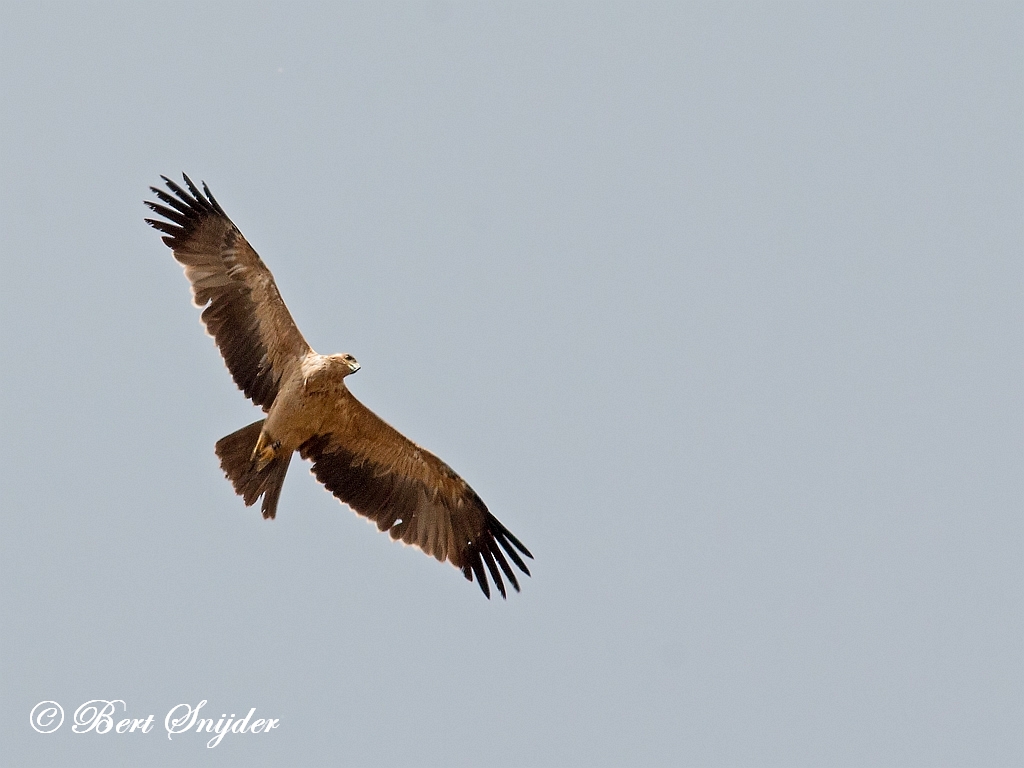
[[363, 461], [306, 400]]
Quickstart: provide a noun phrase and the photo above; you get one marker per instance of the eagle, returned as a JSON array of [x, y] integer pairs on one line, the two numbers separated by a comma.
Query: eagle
[[364, 462]]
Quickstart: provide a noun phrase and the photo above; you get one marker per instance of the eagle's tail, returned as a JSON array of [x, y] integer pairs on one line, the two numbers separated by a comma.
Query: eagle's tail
[[247, 476]]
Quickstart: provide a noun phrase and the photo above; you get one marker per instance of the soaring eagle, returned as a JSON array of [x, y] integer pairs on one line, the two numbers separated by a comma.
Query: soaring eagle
[[403, 488]]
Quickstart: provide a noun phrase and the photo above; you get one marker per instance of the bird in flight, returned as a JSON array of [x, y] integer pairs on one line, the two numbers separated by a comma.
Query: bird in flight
[[405, 489]]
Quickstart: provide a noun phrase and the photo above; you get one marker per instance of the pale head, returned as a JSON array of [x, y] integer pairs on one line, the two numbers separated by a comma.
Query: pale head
[[343, 362]]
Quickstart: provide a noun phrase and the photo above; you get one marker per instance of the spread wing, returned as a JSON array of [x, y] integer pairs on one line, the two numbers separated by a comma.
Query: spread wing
[[244, 312], [412, 494]]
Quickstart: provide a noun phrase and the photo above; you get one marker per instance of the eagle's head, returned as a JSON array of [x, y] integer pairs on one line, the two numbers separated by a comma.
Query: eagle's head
[[345, 362]]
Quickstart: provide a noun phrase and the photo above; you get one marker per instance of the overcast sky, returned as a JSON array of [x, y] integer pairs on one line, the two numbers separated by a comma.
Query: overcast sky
[[718, 307]]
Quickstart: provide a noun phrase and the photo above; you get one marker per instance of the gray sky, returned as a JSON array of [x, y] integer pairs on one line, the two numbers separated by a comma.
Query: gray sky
[[717, 306]]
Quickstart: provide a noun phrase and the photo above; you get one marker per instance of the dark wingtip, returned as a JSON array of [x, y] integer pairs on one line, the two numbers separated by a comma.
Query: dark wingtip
[[183, 207], [493, 568], [488, 555], [481, 578], [213, 200]]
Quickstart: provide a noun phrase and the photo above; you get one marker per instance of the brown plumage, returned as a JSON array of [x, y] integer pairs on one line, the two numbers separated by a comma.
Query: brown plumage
[[403, 488]]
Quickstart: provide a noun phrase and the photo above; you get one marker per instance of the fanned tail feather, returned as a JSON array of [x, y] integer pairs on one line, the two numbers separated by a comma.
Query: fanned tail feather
[[235, 454]]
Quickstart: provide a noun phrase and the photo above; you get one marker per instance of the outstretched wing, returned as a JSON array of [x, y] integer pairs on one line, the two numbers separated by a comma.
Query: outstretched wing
[[246, 316], [412, 494]]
